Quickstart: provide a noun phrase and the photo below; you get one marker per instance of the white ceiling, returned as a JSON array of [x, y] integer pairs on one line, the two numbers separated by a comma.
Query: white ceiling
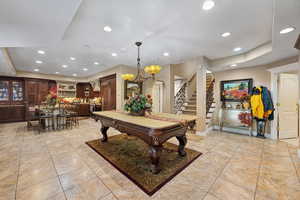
[[287, 13], [63, 28]]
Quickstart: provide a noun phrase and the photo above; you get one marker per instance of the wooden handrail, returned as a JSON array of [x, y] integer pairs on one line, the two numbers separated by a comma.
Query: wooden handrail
[[192, 78]]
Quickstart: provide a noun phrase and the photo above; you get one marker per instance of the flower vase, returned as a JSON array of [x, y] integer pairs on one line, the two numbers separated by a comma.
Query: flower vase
[[140, 113]]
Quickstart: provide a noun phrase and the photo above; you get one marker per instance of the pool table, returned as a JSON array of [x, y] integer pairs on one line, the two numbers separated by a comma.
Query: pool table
[[154, 130]]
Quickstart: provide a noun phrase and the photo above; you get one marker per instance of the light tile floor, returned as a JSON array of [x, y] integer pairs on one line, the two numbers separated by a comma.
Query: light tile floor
[[58, 165], [293, 141]]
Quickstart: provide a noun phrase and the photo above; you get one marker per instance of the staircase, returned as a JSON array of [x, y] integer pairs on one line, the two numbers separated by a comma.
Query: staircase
[[189, 106]]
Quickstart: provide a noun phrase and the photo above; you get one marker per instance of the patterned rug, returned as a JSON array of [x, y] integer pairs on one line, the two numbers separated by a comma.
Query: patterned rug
[[130, 156]]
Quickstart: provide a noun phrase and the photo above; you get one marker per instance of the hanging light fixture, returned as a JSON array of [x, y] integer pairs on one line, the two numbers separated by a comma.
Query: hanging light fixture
[[140, 76]]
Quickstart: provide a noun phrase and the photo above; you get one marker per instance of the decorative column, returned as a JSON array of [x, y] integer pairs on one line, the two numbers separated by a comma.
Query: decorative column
[[201, 96]]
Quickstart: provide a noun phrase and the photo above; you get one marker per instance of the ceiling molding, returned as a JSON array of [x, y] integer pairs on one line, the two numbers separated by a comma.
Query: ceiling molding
[[6, 65], [119, 69], [224, 63], [50, 77], [286, 68]]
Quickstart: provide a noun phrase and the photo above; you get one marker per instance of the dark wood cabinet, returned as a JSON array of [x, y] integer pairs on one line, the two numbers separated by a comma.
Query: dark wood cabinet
[[12, 113], [108, 92], [32, 89], [85, 90], [83, 109], [18, 94], [12, 97], [11, 91], [36, 91], [43, 91]]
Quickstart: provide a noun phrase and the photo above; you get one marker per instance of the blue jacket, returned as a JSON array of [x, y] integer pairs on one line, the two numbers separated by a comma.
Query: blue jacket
[[268, 103]]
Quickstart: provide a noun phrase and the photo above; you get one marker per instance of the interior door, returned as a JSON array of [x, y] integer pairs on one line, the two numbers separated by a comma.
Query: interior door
[[32, 90], [43, 91], [157, 97], [108, 92], [288, 96]]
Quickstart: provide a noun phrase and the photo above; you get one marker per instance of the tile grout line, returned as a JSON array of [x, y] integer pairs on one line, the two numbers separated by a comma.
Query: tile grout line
[[259, 169], [56, 170], [19, 164], [100, 179], [208, 191], [291, 157]]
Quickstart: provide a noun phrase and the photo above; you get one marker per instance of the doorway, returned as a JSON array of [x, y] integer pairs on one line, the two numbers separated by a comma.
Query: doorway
[[158, 96], [108, 92], [288, 109]]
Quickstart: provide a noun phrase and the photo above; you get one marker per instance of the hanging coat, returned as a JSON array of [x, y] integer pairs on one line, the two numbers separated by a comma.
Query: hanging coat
[[257, 105], [268, 103]]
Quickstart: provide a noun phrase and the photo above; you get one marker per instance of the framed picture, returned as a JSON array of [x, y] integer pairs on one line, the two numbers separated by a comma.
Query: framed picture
[[234, 90], [132, 88]]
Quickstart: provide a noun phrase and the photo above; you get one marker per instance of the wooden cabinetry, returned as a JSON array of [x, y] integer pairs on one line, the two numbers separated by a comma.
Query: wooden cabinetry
[[12, 113], [11, 91], [85, 90], [12, 99], [36, 91], [108, 92]]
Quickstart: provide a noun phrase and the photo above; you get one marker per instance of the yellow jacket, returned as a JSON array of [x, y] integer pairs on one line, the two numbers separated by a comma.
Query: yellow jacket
[[257, 105]]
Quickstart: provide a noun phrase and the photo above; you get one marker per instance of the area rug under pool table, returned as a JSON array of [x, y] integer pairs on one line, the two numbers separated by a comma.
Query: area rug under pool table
[[130, 156]]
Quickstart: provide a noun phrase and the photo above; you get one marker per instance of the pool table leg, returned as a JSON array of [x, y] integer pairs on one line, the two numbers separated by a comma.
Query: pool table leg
[[154, 152], [104, 133], [182, 142]]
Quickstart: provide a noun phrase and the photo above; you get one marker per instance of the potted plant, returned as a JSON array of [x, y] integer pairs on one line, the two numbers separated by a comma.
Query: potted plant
[[51, 99], [138, 105]]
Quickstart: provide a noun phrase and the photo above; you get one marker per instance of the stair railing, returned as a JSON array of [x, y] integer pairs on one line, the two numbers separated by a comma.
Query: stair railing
[[180, 98], [210, 95]]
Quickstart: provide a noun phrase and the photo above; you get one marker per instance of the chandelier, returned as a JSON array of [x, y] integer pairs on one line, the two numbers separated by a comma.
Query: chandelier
[[140, 76]]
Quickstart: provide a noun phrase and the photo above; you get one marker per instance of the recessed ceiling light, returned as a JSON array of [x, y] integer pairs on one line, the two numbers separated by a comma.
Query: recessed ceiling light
[[74, 74], [233, 65], [208, 4], [287, 30], [237, 49], [114, 54], [41, 52], [107, 29], [85, 69], [36, 70], [96, 63], [38, 62], [64, 66], [56, 72], [72, 58], [166, 54], [226, 34]]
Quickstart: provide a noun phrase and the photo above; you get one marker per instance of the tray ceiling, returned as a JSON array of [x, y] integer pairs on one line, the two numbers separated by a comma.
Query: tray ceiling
[[74, 28]]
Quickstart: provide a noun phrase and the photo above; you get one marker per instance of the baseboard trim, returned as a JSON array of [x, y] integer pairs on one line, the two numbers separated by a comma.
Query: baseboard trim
[[239, 131], [204, 133]]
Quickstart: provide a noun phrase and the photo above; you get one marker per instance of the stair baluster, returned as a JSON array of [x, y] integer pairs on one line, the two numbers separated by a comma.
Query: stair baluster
[[210, 96], [180, 98]]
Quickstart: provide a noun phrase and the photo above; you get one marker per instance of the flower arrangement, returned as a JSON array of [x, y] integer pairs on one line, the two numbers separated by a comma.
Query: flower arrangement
[[138, 104], [51, 98]]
